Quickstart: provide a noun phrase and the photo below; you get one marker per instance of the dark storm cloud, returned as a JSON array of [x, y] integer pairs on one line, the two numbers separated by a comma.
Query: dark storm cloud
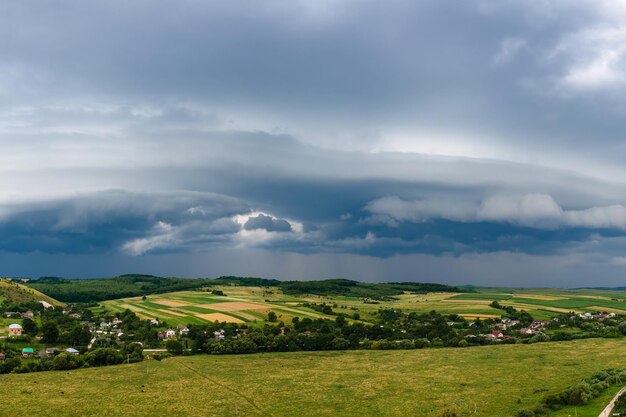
[[357, 137], [267, 223]]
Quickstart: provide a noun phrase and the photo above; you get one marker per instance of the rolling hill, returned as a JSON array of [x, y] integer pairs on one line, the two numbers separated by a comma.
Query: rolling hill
[[18, 293]]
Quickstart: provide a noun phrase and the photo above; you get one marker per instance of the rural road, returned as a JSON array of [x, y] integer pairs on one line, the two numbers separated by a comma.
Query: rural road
[[607, 410]]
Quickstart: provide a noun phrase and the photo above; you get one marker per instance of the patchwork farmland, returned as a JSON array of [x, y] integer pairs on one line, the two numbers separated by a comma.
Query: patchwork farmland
[[239, 305], [252, 304]]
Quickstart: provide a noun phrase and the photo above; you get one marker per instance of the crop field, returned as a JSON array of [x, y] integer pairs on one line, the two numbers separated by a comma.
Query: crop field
[[251, 304], [540, 303], [239, 305], [481, 381]]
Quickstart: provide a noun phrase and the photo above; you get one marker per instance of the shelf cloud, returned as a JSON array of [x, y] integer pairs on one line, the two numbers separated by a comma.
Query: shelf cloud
[[179, 138]]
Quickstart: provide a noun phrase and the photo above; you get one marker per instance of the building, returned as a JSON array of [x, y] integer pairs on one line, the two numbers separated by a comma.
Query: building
[[72, 351], [182, 329], [27, 352], [15, 330], [170, 333], [28, 315]]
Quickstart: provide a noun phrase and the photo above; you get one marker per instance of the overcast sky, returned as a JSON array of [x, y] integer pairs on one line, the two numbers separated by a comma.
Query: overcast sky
[[474, 142]]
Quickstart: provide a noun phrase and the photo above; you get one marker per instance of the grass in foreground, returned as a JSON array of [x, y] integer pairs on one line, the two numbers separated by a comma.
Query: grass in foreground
[[482, 381]]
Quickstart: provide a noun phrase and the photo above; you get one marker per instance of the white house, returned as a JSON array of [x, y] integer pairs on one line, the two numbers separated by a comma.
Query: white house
[[170, 333], [15, 330]]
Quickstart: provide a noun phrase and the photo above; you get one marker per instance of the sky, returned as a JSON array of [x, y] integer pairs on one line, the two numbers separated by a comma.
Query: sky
[[476, 142]]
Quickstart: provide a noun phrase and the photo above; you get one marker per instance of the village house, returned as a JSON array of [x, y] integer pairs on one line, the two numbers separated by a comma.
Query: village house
[[27, 352], [116, 321], [75, 315], [182, 329], [170, 333], [526, 331], [28, 315], [154, 322], [10, 314], [219, 335], [72, 351], [15, 330], [495, 335]]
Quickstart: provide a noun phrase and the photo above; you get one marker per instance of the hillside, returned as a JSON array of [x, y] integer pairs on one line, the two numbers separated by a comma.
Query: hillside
[[354, 383], [134, 285], [14, 292]]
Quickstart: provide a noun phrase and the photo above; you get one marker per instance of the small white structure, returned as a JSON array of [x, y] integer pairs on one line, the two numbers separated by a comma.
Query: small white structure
[[72, 351], [15, 330], [170, 333]]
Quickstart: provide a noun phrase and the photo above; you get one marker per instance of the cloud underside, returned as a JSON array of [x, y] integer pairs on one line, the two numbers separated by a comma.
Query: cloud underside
[[444, 134]]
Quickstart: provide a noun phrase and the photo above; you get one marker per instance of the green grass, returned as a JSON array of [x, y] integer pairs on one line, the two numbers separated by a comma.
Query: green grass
[[20, 293], [592, 409], [490, 380]]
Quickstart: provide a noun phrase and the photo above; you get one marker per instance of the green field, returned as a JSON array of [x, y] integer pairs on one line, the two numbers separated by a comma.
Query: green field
[[240, 305], [481, 381], [257, 302], [540, 303]]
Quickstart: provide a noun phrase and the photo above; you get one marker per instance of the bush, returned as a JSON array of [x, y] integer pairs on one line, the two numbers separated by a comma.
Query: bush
[[525, 413], [174, 347], [103, 357], [133, 352]]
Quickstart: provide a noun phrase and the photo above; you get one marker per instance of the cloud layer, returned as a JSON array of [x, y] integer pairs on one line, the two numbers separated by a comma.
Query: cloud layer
[[190, 135]]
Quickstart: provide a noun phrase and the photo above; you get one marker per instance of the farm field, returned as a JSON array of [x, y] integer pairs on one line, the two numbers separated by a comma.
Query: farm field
[[353, 383], [251, 304], [540, 303], [239, 305]]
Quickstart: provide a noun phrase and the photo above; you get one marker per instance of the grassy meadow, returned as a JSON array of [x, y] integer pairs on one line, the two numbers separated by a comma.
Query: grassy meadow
[[19, 293], [481, 381]]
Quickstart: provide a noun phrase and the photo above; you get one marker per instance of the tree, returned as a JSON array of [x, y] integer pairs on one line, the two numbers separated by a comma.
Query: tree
[[104, 356], [79, 336], [133, 352], [50, 331], [271, 317], [174, 347], [30, 327]]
